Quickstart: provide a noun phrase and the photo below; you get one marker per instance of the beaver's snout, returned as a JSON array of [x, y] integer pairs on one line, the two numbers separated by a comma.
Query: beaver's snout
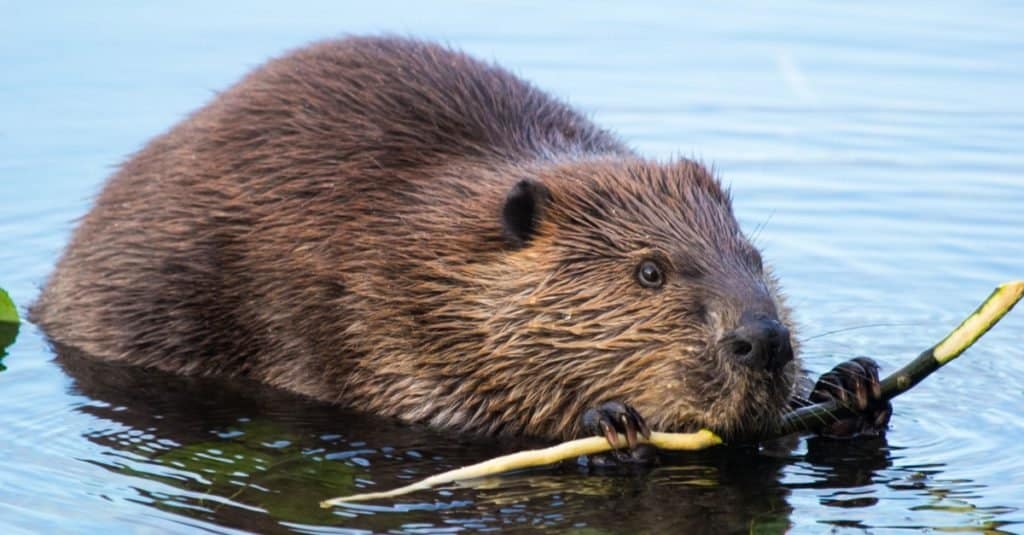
[[760, 342]]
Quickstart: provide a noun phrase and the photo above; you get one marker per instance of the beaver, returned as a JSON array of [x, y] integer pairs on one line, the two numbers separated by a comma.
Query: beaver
[[396, 227]]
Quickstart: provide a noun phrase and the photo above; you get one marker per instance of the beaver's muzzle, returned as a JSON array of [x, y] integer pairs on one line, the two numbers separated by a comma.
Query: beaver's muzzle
[[760, 342]]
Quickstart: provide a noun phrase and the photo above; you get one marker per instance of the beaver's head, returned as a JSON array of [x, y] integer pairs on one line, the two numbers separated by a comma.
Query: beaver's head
[[632, 281]]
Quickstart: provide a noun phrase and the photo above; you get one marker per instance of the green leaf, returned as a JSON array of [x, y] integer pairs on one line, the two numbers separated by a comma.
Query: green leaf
[[8, 313]]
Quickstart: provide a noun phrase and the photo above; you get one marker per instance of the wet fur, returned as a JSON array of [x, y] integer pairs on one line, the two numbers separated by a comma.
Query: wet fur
[[333, 225]]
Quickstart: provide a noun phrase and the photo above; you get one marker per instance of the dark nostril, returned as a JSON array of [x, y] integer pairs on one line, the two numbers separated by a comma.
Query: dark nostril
[[760, 342], [741, 348]]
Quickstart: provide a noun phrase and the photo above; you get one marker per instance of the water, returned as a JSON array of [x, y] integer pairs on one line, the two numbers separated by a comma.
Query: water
[[875, 151]]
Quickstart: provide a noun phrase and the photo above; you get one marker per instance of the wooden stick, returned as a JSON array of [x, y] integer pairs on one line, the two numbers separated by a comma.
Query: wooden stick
[[531, 458], [1002, 299]]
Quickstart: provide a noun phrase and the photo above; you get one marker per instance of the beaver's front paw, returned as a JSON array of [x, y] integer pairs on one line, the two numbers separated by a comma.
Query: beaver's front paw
[[854, 384], [611, 419]]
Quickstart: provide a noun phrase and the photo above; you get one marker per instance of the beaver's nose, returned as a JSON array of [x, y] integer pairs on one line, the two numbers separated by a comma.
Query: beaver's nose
[[760, 341]]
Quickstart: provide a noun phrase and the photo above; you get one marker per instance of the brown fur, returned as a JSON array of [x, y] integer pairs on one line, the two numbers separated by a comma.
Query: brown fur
[[332, 225]]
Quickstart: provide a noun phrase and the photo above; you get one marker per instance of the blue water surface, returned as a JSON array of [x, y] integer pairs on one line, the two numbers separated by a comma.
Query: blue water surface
[[876, 152]]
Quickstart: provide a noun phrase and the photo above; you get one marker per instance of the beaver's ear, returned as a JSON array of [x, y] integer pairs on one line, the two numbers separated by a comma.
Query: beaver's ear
[[523, 209]]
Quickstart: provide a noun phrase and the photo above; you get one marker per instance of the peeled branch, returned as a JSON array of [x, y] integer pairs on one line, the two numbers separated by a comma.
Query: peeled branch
[[805, 419], [531, 458]]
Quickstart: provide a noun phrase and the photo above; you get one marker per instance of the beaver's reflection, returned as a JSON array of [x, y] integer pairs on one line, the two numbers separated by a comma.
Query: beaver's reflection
[[243, 455]]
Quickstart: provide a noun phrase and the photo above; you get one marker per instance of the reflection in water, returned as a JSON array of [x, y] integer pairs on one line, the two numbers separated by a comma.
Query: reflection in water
[[228, 452], [842, 464], [243, 455], [240, 454], [855, 472]]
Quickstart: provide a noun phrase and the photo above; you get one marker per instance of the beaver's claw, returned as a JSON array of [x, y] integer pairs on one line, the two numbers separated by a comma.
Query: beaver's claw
[[854, 384], [612, 418]]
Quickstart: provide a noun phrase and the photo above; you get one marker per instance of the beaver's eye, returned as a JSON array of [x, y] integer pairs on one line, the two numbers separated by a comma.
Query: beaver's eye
[[649, 274]]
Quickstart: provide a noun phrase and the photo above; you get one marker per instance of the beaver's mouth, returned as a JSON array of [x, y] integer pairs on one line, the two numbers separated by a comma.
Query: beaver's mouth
[[748, 404], [764, 404], [708, 389]]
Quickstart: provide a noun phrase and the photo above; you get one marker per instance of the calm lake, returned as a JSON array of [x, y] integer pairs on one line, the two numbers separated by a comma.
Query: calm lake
[[876, 152]]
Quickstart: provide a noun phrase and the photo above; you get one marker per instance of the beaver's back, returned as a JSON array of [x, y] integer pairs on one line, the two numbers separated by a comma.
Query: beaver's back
[[234, 243]]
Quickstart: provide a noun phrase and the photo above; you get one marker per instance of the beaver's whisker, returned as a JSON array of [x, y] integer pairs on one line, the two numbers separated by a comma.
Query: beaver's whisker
[[797, 403], [802, 402], [760, 227], [838, 387], [858, 327]]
